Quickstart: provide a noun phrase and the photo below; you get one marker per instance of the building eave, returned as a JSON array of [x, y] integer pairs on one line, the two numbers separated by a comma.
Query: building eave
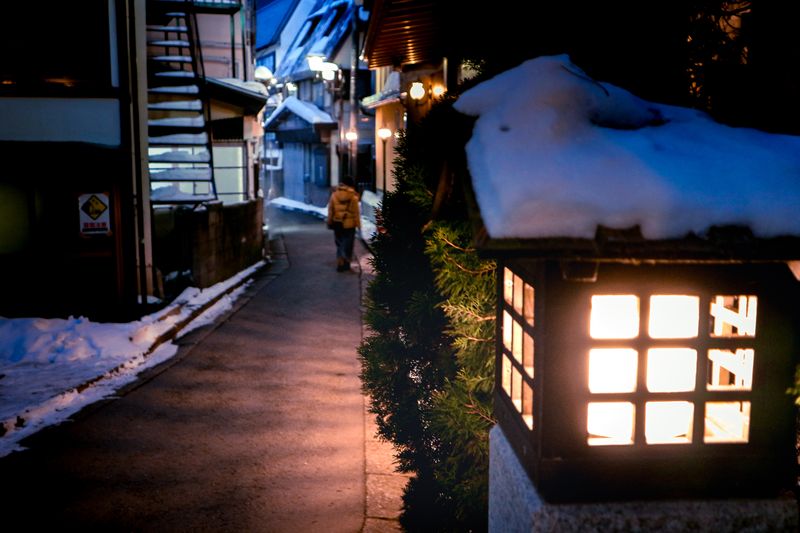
[[403, 32], [251, 102]]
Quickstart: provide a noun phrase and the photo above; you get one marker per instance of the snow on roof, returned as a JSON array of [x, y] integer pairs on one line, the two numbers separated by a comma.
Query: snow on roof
[[555, 154], [251, 86], [305, 110], [271, 19]]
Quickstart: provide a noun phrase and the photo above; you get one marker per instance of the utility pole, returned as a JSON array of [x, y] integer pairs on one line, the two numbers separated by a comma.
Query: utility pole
[[353, 145]]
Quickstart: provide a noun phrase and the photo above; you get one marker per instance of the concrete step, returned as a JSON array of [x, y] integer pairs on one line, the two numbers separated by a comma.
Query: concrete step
[[175, 89], [181, 174], [180, 156], [179, 139], [176, 29], [177, 105], [171, 59], [169, 43], [177, 122]]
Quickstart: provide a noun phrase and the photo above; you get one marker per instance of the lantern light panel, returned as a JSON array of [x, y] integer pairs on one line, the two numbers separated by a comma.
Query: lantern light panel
[[622, 347]]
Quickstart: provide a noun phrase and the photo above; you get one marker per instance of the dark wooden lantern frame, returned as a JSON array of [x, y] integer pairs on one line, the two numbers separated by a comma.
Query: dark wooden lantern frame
[[555, 451]]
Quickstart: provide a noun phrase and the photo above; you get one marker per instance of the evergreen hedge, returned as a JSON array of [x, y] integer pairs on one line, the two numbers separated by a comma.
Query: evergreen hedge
[[427, 363]]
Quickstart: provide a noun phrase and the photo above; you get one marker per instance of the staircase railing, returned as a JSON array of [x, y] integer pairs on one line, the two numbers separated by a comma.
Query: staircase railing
[[198, 66]]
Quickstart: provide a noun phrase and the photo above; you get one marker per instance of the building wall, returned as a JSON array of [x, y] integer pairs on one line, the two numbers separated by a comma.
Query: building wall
[[47, 266], [61, 120], [202, 247], [68, 128], [215, 40], [288, 33], [294, 171]]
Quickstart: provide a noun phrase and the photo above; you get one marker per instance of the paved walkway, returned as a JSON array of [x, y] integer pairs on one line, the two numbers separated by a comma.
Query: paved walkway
[[258, 424]]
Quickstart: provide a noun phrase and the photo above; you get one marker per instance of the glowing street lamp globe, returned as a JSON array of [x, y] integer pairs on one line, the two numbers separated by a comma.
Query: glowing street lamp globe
[[384, 133], [315, 62], [417, 90]]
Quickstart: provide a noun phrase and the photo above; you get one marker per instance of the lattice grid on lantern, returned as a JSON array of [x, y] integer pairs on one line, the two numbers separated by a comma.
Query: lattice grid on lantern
[[666, 350], [518, 345]]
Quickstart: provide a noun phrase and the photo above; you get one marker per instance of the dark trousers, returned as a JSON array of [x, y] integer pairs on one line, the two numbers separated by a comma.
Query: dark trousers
[[344, 238]]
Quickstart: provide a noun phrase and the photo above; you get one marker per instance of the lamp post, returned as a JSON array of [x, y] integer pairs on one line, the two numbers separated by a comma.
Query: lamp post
[[267, 78], [384, 133], [352, 137]]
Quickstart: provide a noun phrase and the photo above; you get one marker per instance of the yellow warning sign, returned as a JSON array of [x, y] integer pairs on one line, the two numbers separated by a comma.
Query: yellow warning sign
[[94, 207], [94, 214]]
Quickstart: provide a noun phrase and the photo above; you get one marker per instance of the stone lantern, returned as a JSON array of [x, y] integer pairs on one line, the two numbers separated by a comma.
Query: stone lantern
[[647, 317]]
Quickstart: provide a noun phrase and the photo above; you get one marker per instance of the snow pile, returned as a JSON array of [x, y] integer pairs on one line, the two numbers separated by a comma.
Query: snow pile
[[52, 368], [555, 154], [294, 205]]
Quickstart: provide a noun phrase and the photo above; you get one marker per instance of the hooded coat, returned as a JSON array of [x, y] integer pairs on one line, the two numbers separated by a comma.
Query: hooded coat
[[343, 207]]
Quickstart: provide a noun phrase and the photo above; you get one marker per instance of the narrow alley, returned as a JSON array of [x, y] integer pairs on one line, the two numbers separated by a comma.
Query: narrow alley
[[258, 424]]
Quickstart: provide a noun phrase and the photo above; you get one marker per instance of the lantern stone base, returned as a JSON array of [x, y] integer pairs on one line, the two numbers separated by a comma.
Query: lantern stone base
[[515, 506]]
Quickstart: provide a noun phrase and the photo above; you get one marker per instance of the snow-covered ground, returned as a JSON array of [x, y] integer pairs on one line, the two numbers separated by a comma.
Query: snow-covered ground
[[52, 368]]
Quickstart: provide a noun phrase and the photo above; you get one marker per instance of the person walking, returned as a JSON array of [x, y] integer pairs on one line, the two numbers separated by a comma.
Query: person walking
[[344, 217]]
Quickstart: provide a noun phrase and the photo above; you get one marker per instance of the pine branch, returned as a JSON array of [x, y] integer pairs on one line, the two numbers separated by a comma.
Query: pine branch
[[476, 339], [474, 409], [457, 247], [449, 308], [484, 270]]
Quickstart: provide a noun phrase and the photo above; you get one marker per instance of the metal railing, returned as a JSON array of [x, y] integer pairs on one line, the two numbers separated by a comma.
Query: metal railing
[[200, 73]]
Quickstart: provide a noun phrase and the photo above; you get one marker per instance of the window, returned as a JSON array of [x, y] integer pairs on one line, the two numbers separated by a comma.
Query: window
[[58, 49], [518, 346], [335, 20], [655, 365], [229, 172]]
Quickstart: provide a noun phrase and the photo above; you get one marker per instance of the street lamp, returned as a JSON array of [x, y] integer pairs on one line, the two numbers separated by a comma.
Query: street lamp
[[263, 74], [417, 91], [315, 61], [351, 136], [329, 71], [384, 133]]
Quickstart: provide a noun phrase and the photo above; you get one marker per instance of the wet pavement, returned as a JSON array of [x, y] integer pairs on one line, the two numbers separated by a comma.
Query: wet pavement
[[257, 424]]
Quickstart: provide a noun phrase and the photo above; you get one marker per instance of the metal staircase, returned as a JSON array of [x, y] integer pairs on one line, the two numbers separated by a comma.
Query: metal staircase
[[179, 115]]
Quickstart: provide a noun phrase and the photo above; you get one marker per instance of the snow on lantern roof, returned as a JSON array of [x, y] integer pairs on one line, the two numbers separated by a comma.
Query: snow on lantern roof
[[557, 155]]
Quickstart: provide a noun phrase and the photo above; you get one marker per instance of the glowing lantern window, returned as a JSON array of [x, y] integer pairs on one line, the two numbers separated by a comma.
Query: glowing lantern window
[[671, 369], [727, 421], [518, 345], [610, 423], [734, 316], [614, 317], [668, 422], [730, 370], [612, 370], [673, 317]]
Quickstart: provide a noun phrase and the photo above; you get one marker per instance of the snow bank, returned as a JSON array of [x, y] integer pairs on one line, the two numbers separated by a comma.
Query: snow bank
[[52, 368], [555, 153]]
